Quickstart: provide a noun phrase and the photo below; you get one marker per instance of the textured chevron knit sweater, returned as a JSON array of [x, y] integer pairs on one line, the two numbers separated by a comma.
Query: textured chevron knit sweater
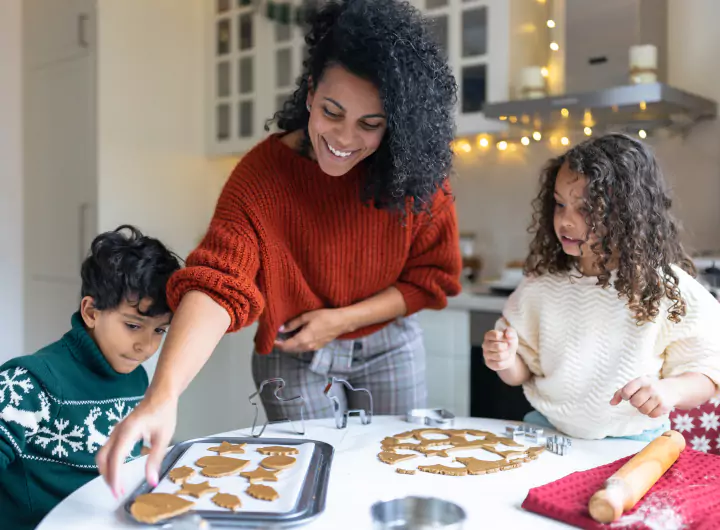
[[57, 408], [582, 344], [286, 239]]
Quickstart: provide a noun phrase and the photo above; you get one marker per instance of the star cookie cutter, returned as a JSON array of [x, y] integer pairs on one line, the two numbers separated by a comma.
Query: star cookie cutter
[[280, 384], [341, 416]]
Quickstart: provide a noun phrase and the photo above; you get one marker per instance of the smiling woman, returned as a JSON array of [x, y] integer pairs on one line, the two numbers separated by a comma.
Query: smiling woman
[[331, 233]]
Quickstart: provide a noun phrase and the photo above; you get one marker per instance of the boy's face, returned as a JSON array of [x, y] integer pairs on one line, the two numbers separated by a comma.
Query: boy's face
[[125, 337]]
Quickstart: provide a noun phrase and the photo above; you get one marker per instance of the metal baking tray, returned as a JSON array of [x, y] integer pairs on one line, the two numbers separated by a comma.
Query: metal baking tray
[[310, 502]]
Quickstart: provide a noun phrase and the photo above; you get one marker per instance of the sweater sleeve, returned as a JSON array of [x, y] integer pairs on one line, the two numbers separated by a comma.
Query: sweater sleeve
[[225, 264], [694, 342], [24, 405], [521, 314], [432, 271]]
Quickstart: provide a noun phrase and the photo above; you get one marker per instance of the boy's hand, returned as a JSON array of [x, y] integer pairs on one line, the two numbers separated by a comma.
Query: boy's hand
[[500, 349], [651, 397]]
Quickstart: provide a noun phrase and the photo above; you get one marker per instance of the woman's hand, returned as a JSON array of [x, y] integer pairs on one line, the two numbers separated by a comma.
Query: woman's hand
[[315, 329], [152, 420]]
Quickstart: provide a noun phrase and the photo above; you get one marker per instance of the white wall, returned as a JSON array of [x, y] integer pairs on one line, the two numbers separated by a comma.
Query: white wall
[[11, 196], [494, 189], [153, 171]]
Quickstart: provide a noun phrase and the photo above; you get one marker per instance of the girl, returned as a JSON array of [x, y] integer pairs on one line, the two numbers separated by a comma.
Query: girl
[[609, 331], [332, 234]]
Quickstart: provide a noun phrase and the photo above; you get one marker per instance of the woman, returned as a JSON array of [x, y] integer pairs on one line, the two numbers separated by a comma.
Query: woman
[[331, 233]]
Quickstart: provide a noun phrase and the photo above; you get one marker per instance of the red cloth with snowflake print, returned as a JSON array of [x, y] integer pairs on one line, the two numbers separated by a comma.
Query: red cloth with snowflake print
[[700, 426]]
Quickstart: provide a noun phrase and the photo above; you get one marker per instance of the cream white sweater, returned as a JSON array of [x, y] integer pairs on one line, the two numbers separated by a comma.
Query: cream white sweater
[[582, 345]]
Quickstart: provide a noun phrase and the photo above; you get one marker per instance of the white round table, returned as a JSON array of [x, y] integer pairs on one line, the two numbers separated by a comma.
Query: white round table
[[358, 479]]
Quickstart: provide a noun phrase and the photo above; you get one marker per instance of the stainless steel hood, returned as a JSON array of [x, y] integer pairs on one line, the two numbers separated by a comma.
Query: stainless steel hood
[[597, 38]]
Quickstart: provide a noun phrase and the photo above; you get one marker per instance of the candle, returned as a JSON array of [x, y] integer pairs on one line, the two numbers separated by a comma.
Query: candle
[[643, 64], [532, 82]]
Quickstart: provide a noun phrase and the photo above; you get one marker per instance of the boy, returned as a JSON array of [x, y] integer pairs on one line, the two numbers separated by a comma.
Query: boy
[[58, 406]]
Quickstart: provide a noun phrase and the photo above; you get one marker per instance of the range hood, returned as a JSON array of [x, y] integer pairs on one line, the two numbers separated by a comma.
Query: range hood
[[598, 36]]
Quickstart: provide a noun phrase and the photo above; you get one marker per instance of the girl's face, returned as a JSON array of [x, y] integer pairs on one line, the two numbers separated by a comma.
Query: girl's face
[[571, 211], [347, 120]]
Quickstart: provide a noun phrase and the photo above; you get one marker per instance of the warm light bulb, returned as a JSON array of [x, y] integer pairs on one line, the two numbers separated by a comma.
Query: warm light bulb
[[588, 131], [502, 145], [550, 23], [564, 140], [642, 134], [544, 71], [537, 136], [565, 113], [554, 46], [525, 119], [643, 105], [513, 119], [503, 118], [483, 142]]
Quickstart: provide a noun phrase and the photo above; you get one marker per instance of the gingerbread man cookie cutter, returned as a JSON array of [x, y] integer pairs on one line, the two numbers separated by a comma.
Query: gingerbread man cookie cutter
[[519, 433], [560, 445], [280, 384], [341, 416]]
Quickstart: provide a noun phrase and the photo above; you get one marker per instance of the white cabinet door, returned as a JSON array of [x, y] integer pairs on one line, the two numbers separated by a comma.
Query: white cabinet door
[[57, 30]]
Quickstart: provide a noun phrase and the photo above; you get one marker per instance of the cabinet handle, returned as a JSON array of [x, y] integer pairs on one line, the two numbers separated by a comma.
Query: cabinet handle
[[83, 208], [82, 38]]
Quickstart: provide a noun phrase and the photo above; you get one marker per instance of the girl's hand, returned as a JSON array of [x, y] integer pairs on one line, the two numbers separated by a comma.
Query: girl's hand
[[317, 328], [500, 349], [651, 397]]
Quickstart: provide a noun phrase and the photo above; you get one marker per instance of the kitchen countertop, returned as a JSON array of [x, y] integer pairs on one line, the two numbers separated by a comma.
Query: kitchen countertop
[[358, 480], [471, 301]]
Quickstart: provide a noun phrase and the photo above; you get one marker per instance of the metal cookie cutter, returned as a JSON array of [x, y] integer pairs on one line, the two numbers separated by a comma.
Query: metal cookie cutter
[[431, 417], [525, 433], [280, 382], [560, 445], [341, 417]]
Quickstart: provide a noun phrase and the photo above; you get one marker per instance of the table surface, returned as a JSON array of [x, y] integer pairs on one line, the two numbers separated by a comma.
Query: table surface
[[358, 480]]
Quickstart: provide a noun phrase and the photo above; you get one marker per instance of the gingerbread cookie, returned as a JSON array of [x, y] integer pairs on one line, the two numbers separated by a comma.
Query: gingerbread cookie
[[181, 474], [227, 447], [439, 469], [263, 493], [393, 458], [461, 447], [534, 452], [259, 475], [221, 466], [277, 450], [278, 462], [151, 508], [404, 471], [196, 490], [225, 500]]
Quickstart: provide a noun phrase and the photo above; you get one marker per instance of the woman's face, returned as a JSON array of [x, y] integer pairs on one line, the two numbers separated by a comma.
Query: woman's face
[[347, 120]]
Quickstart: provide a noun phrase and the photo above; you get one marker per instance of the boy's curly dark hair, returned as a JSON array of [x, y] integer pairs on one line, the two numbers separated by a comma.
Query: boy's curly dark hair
[[629, 211], [128, 266], [388, 43]]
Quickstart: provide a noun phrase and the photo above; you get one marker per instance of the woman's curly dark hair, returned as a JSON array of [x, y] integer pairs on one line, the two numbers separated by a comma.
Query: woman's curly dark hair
[[629, 211], [388, 43]]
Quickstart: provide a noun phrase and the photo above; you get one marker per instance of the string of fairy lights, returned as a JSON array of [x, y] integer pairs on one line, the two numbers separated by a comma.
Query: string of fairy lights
[[502, 142]]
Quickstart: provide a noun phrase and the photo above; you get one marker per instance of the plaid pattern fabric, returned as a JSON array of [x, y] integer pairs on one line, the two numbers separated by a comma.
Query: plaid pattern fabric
[[700, 426], [390, 363]]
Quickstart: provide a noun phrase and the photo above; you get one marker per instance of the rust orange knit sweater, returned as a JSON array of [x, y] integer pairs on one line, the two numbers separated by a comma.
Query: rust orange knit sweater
[[286, 239]]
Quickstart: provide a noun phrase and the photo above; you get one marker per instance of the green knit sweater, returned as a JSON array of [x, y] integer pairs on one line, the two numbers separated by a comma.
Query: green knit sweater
[[57, 408]]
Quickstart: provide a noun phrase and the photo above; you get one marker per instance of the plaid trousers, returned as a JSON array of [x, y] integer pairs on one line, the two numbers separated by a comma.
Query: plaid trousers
[[390, 363]]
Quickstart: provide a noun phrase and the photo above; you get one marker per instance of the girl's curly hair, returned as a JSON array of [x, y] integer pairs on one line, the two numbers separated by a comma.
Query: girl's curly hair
[[628, 204], [388, 43]]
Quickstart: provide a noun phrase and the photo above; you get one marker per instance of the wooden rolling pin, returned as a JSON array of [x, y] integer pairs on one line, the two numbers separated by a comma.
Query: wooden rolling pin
[[627, 486]]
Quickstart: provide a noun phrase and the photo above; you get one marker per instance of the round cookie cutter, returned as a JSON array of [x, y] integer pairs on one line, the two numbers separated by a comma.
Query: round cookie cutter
[[417, 512], [431, 417]]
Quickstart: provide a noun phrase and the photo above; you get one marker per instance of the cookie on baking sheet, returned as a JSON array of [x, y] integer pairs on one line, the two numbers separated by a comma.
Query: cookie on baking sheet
[[220, 466], [181, 474], [225, 500], [227, 447], [277, 450], [151, 508], [278, 462], [261, 475], [263, 493], [196, 490]]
